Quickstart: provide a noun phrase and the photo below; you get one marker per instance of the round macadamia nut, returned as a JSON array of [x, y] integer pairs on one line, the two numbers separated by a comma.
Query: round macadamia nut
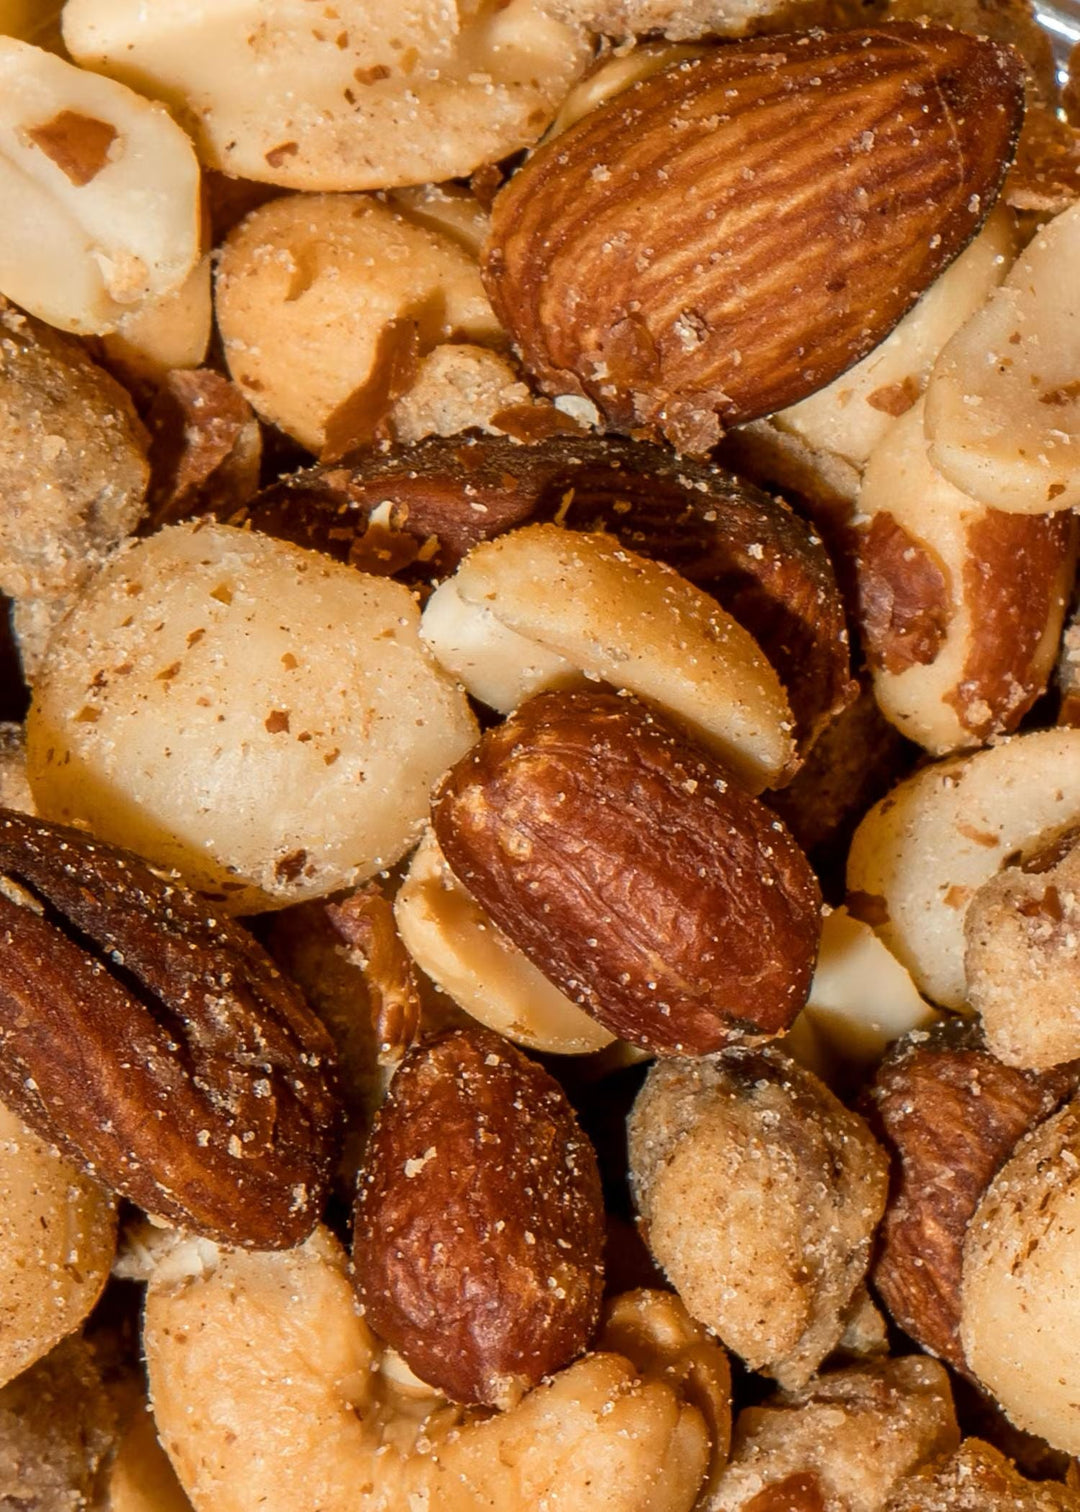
[[254, 715], [760, 1192]]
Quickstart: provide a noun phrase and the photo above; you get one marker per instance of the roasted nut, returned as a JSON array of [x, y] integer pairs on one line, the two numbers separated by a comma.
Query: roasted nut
[[634, 872], [205, 448], [260, 718], [273, 1342], [951, 1114], [164, 334], [461, 387], [326, 304], [843, 1440], [542, 605], [156, 1043], [920, 855], [1019, 1323], [364, 99], [760, 1193], [961, 606], [57, 1242], [1020, 959], [603, 257], [141, 1479], [977, 1478], [1002, 405], [478, 1227], [101, 194], [14, 783]]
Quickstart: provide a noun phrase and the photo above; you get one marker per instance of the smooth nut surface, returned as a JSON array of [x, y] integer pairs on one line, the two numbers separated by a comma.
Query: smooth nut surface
[[156, 1043], [839, 173], [478, 1227], [633, 870]]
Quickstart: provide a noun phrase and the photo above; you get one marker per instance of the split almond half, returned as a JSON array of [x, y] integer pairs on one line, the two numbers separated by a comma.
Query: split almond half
[[730, 234]]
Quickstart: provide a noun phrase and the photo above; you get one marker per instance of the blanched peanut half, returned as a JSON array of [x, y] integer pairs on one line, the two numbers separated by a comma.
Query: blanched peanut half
[[1020, 1307], [327, 302], [57, 1242], [615, 75], [167, 333], [961, 606], [452, 939], [357, 95], [100, 191], [259, 717], [919, 855], [141, 1478], [530, 610], [852, 414], [1003, 401], [268, 1392]]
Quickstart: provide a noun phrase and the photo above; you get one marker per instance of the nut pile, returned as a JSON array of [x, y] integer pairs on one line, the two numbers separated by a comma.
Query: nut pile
[[540, 773]]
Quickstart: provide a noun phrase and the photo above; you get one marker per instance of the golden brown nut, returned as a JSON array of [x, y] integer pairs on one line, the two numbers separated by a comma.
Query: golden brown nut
[[978, 1478], [760, 1193], [634, 872]]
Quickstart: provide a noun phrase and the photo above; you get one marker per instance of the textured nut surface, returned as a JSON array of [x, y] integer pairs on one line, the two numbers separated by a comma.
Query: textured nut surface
[[978, 1478], [634, 872], [156, 1043], [842, 1441], [57, 1242], [101, 193], [760, 1193], [365, 98], [840, 174], [205, 447], [950, 1114], [326, 303], [961, 606], [264, 720], [478, 1227]]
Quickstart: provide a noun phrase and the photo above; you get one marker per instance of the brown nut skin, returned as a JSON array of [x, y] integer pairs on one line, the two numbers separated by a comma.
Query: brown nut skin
[[951, 1114], [157, 1044], [478, 1225], [634, 872], [728, 235]]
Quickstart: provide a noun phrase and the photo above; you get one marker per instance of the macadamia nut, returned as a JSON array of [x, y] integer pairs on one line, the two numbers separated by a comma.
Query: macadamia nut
[[259, 717]]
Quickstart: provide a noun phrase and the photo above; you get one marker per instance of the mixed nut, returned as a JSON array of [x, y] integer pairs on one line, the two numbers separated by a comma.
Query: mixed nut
[[540, 788]]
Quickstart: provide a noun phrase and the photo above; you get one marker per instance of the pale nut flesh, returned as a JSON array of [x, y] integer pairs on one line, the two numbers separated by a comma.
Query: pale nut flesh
[[268, 756], [369, 97], [1002, 405], [579, 602], [920, 855], [101, 194], [268, 1391]]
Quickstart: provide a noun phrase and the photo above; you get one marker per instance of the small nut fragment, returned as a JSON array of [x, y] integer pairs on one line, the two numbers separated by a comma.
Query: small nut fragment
[[478, 1227], [205, 448], [842, 1441], [101, 193], [978, 1478], [760, 1193], [58, 1431], [633, 870], [156, 1043]]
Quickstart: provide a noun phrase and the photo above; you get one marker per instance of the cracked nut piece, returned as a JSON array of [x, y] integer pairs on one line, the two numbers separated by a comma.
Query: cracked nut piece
[[633, 870], [478, 1227], [978, 1478], [101, 194], [840, 173], [760, 1193], [358, 95], [156, 1043], [841, 1441], [950, 1114], [256, 716]]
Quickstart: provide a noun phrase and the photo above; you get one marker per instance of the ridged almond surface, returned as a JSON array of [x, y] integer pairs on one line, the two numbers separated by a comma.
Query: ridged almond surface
[[730, 234]]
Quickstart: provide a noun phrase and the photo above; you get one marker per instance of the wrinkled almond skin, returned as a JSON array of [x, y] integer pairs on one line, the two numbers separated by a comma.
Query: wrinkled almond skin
[[478, 1232], [730, 234], [951, 1115], [634, 872], [157, 1044]]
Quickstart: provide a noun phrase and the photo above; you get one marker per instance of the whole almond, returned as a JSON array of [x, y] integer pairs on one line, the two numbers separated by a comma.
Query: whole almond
[[479, 1220], [156, 1043], [730, 234], [634, 872]]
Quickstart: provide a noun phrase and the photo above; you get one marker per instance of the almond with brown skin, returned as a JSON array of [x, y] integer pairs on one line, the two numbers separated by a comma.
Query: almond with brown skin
[[479, 1220], [156, 1043], [730, 234], [635, 872]]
